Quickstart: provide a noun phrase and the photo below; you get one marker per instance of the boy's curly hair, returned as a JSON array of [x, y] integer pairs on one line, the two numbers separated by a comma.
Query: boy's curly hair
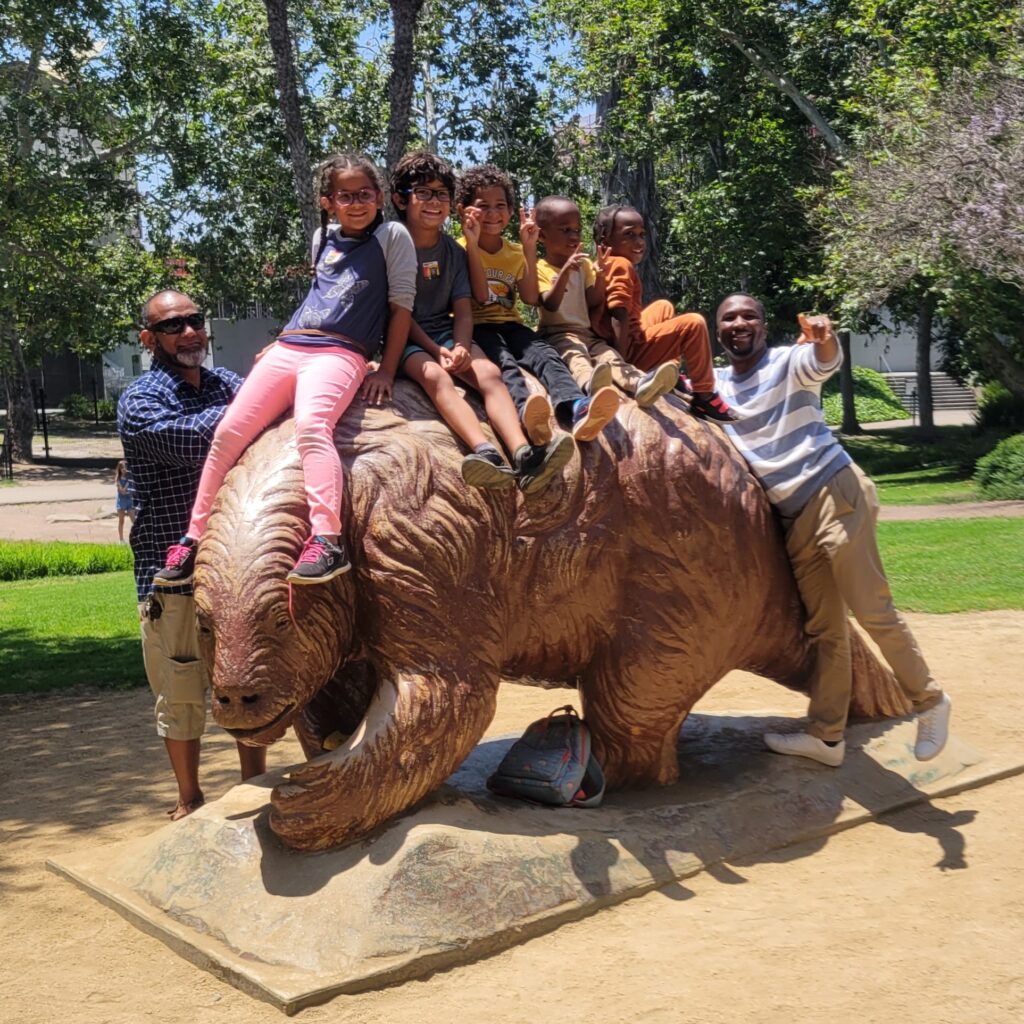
[[604, 225], [323, 182], [485, 176], [417, 169]]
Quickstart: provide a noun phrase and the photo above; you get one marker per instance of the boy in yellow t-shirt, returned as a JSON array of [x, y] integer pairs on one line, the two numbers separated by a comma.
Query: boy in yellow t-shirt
[[569, 288], [500, 270]]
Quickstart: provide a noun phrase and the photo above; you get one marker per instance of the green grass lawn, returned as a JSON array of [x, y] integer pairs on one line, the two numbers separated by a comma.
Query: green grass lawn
[[908, 470], [68, 631], [954, 565]]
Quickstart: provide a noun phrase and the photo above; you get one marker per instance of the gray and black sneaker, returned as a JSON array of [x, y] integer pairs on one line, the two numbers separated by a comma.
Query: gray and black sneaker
[[487, 468], [180, 565], [536, 465], [600, 377], [655, 383], [319, 562]]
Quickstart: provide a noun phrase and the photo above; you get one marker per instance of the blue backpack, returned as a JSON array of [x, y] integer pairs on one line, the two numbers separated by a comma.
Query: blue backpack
[[552, 764]]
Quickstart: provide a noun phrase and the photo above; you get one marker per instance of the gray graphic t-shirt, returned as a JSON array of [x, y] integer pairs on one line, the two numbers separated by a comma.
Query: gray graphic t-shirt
[[442, 276]]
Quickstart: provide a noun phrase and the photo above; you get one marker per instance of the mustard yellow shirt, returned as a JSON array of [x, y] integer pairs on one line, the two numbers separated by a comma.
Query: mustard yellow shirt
[[504, 270], [572, 314]]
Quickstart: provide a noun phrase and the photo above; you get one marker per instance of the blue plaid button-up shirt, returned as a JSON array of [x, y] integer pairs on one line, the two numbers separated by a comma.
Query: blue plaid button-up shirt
[[166, 427]]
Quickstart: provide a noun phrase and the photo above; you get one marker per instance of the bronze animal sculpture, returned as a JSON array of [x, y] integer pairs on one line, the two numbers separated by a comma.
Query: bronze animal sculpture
[[651, 569]]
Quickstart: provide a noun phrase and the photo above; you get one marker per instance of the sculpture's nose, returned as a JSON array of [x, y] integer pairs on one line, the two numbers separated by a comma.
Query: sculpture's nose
[[242, 700]]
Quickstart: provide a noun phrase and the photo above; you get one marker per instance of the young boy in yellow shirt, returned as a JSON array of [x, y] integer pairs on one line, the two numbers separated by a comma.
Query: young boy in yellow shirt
[[499, 271], [569, 287]]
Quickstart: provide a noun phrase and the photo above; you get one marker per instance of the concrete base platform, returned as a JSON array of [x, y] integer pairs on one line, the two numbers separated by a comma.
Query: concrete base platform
[[468, 874]]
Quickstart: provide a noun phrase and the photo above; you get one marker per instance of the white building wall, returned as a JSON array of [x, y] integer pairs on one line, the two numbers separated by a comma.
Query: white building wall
[[889, 350]]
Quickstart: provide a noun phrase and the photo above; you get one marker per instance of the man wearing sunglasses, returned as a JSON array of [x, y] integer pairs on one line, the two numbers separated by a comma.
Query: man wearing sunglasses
[[166, 419]]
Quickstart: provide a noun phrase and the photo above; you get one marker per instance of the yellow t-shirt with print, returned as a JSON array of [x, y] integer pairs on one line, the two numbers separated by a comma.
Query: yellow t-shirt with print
[[504, 270], [573, 314]]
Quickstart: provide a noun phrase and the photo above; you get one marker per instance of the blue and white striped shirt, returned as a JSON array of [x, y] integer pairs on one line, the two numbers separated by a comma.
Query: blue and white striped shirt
[[166, 427], [783, 435]]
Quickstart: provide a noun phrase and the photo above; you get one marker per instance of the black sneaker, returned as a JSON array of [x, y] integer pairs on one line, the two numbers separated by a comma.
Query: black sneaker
[[180, 565], [487, 469], [711, 406], [536, 465], [319, 562]]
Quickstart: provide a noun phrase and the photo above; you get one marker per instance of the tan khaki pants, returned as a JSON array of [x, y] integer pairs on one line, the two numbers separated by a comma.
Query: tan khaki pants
[[583, 350], [176, 675], [834, 552]]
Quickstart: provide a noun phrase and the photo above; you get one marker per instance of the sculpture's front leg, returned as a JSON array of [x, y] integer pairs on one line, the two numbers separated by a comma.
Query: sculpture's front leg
[[418, 729]]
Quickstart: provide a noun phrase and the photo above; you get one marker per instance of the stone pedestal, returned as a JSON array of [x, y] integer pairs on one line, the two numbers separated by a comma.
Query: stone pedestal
[[467, 873]]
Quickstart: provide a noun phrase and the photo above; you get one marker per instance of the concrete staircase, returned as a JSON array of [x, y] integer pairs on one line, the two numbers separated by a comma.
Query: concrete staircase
[[946, 392]]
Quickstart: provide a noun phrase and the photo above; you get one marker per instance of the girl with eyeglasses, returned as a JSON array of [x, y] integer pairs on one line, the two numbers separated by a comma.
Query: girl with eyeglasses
[[364, 288]]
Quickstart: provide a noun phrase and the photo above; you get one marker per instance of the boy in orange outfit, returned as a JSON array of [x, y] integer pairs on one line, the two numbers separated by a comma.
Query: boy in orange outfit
[[648, 336]]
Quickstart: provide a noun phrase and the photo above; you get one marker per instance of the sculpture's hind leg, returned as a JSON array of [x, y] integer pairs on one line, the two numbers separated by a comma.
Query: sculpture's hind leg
[[635, 699], [418, 729]]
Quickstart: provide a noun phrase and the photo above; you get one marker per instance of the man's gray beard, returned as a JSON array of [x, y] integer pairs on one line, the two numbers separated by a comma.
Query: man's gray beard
[[192, 359]]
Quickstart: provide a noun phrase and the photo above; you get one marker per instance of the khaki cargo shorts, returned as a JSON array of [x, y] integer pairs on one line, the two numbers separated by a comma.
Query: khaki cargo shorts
[[176, 675]]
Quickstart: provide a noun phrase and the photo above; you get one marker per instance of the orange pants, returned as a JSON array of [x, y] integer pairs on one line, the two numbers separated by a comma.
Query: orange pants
[[667, 335]]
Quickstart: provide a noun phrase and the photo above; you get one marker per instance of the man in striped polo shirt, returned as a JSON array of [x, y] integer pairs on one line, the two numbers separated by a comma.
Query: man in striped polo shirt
[[828, 509]]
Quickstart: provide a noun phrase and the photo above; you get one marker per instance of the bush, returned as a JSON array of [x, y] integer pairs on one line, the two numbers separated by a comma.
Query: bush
[[107, 410], [1000, 474], [25, 560], [78, 407], [999, 409], [872, 397]]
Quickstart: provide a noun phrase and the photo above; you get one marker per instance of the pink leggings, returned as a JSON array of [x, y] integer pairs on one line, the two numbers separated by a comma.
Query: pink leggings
[[320, 383]]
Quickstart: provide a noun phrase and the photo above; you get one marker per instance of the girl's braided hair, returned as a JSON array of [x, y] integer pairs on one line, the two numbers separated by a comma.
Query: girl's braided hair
[[605, 223], [323, 182]]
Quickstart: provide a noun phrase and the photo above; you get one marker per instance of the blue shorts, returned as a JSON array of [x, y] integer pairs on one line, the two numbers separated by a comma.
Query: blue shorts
[[443, 338]]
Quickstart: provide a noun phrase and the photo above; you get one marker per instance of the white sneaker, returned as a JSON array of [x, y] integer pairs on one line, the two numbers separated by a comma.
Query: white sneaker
[[933, 730], [803, 744]]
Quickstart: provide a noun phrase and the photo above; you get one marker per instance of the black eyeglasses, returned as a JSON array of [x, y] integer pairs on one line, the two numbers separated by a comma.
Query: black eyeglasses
[[364, 195], [424, 194], [177, 324]]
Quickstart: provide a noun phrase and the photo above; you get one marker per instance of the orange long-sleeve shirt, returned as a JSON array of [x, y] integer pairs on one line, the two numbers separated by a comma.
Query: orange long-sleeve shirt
[[622, 290]]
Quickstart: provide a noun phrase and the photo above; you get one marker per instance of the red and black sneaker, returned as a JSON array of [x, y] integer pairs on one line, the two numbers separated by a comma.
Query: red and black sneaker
[[710, 405], [180, 565], [320, 561]]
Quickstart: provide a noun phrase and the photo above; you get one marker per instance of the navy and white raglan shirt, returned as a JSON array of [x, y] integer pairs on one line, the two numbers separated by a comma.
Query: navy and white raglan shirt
[[166, 426], [783, 435], [355, 280]]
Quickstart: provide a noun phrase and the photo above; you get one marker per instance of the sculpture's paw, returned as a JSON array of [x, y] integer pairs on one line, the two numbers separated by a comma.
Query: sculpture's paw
[[308, 812]]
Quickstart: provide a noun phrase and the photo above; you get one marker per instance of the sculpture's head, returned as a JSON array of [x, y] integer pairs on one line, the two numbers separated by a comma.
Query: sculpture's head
[[266, 659]]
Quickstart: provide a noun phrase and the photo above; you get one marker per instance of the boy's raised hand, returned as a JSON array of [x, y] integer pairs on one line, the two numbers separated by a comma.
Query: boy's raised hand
[[529, 232], [575, 261], [601, 258], [471, 223]]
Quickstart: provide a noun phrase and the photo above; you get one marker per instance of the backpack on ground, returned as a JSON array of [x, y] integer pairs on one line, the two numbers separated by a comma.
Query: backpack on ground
[[552, 764]]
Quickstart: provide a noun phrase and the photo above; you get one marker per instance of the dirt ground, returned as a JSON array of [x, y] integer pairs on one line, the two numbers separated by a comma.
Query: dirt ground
[[918, 917]]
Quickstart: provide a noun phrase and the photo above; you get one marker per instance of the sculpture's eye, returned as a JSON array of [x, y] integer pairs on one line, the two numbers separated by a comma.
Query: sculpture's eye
[[283, 623]]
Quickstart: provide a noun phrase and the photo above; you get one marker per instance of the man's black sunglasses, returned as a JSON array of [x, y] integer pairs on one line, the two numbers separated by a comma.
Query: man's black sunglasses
[[177, 324]]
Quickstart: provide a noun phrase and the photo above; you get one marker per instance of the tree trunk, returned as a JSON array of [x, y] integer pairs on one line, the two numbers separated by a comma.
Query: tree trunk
[[404, 14], [925, 317], [849, 424], [291, 112], [429, 114], [20, 407], [631, 180]]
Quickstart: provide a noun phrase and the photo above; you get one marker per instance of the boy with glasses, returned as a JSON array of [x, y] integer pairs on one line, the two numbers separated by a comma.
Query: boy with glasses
[[441, 338]]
